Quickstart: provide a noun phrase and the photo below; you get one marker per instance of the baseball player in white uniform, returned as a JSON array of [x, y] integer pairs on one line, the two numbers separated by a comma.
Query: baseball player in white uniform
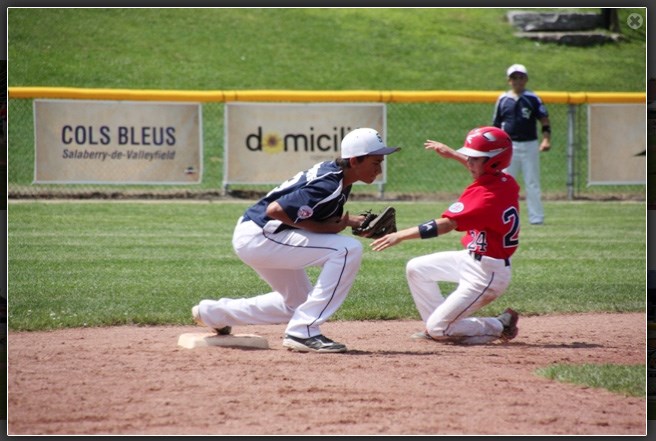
[[296, 226]]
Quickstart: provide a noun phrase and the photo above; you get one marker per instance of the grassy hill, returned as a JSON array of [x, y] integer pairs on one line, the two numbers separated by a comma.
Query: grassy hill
[[307, 48]]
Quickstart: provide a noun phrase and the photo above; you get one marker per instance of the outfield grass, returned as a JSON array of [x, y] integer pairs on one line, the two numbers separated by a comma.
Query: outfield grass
[[96, 264], [319, 49]]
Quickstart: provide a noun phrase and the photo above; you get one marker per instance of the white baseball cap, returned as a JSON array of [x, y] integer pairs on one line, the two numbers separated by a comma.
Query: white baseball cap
[[363, 142], [516, 68]]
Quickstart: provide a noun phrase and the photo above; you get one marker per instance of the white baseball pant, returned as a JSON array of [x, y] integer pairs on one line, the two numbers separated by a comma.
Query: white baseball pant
[[526, 159], [479, 283], [280, 259]]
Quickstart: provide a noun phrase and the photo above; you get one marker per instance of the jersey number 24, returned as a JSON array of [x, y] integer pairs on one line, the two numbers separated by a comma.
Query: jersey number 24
[[510, 239]]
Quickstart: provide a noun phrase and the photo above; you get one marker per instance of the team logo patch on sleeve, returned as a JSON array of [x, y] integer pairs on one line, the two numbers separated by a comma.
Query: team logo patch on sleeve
[[456, 207], [305, 212]]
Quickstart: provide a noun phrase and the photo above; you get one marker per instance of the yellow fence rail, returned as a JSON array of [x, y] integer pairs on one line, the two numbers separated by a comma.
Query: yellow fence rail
[[564, 168], [385, 96]]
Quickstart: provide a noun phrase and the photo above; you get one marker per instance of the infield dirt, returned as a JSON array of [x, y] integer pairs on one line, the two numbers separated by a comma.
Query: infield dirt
[[137, 380]]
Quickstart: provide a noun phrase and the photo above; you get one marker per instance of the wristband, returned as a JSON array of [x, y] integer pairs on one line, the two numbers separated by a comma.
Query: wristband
[[428, 229], [546, 129]]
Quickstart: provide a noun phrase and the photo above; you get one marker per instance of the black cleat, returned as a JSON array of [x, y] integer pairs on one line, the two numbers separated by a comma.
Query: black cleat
[[318, 343], [509, 319]]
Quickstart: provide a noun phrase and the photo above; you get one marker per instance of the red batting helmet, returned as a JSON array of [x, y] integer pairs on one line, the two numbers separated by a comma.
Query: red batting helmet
[[490, 142]]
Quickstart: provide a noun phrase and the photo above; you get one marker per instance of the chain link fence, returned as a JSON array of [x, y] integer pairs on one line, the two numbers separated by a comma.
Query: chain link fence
[[411, 174]]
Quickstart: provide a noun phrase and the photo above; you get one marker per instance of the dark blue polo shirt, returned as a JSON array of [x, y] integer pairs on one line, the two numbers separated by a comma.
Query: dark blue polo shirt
[[518, 116]]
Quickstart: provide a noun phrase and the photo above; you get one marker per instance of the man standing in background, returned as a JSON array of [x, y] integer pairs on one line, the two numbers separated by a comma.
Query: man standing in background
[[516, 112]]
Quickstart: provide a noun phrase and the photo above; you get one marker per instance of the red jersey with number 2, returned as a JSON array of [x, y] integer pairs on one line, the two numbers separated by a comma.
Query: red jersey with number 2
[[488, 210]]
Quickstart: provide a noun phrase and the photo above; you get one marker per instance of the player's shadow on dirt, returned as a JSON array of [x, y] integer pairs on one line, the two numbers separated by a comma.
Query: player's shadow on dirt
[[573, 345], [385, 353], [451, 347]]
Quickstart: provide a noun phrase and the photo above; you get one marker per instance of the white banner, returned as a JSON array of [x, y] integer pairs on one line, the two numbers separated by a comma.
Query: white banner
[[267, 143], [117, 142], [617, 144]]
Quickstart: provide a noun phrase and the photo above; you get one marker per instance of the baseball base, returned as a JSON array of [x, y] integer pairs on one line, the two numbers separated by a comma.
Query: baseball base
[[200, 339]]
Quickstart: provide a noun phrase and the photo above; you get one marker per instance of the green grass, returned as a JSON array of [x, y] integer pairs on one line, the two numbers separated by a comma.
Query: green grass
[[318, 49], [628, 380], [305, 48], [96, 264]]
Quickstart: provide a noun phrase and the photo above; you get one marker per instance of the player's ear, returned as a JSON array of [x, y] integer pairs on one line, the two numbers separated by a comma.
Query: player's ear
[[354, 161]]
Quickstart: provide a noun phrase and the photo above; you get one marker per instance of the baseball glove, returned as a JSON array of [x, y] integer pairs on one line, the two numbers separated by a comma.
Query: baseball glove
[[377, 225]]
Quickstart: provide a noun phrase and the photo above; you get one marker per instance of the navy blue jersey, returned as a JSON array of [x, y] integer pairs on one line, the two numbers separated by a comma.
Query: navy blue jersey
[[317, 193], [517, 116]]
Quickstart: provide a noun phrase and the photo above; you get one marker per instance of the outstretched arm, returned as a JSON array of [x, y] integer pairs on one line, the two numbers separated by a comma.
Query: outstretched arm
[[445, 151], [431, 228]]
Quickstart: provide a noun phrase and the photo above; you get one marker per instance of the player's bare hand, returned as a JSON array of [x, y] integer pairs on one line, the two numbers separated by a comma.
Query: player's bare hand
[[356, 221], [545, 146], [441, 149], [385, 242]]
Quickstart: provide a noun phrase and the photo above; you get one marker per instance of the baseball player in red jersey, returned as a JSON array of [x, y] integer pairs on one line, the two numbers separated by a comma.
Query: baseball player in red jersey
[[488, 212]]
